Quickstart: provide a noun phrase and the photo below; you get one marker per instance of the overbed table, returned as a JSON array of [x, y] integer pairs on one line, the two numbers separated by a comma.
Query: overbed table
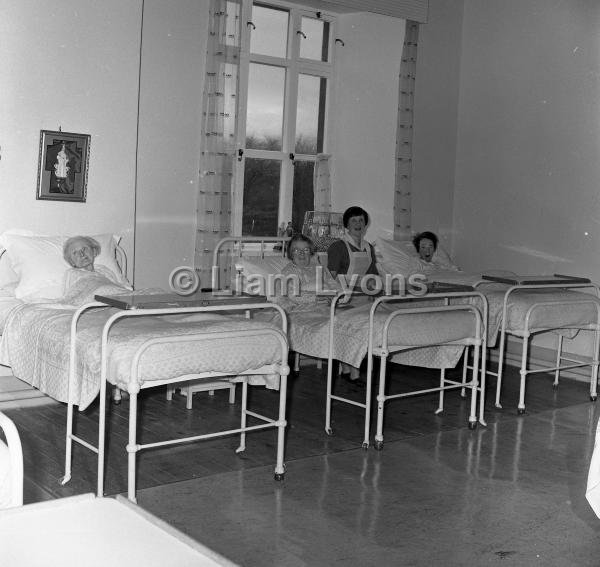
[[95, 532]]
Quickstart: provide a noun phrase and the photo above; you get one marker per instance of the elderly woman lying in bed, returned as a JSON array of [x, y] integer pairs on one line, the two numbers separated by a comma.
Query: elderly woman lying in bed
[[84, 279]]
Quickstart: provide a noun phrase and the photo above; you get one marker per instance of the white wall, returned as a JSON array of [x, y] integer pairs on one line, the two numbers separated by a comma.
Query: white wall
[[71, 65], [526, 195], [364, 116], [172, 75], [436, 119], [526, 189]]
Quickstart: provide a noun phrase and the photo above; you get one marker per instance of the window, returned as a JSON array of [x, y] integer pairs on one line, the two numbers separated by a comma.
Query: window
[[285, 84]]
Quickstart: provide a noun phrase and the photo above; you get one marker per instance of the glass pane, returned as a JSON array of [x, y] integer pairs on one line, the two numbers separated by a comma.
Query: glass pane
[[264, 122], [269, 34], [261, 197], [316, 43], [304, 198], [310, 118]]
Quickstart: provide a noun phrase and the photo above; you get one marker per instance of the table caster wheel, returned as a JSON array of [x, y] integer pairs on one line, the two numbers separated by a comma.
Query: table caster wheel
[[278, 476], [329, 431], [593, 398], [365, 446], [472, 425], [116, 402], [521, 411], [378, 445]]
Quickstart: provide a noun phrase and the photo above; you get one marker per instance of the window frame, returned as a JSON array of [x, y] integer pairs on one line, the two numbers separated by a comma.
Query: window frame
[[294, 66]]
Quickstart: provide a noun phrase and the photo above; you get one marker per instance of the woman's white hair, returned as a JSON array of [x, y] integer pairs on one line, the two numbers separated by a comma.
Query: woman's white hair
[[88, 240]]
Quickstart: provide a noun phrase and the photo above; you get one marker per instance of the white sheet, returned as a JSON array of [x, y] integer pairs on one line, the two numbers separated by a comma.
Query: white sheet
[[36, 345]]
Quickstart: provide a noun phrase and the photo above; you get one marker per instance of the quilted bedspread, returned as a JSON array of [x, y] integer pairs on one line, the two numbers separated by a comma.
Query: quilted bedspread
[[35, 343], [309, 330], [308, 333], [563, 315]]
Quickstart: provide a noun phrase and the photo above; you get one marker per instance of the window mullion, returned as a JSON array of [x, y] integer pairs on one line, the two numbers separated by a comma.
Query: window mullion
[[237, 202], [289, 122]]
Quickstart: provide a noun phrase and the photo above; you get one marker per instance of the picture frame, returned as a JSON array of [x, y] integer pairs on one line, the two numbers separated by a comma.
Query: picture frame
[[63, 166]]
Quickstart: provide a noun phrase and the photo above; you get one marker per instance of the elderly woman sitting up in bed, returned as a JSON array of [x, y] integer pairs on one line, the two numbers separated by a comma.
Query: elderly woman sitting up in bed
[[304, 278], [84, 279]]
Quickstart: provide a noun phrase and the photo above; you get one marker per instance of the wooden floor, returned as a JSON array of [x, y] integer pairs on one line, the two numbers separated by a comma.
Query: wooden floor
[[42, 429]]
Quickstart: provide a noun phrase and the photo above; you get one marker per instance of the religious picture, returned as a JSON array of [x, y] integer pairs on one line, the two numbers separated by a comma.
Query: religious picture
[[63, 166]]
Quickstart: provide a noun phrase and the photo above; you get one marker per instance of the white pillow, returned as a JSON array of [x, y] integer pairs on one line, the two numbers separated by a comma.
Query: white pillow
[[396, 257], [8, 277], [401, 257], [251, 270], [39, 263]]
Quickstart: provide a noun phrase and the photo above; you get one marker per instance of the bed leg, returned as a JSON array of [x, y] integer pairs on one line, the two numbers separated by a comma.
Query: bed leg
[[559, 348], [482, 382], [244, 416], [594, 380], [463, 391], [500, 365], [116, 396], [380, 404], [475, 378], [68, 444], [368, 394], [523, 373], [281, 424], [440, 408], [328, 429], [101, 430], [132, 448]]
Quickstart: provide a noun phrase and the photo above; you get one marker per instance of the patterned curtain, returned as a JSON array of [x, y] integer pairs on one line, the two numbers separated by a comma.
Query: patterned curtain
[[322, 183], [218, 136], [404, 150]]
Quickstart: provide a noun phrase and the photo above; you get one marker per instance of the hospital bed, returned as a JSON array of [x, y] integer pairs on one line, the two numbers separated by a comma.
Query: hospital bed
[[349, 334], [75, 354], [532, 305]]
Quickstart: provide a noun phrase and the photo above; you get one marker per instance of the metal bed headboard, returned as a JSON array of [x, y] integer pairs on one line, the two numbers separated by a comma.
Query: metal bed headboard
[[232, 247], [121, 259]]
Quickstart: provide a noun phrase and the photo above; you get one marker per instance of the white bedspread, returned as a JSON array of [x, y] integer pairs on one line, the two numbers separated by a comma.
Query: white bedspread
[[309, 334], [35, 343], [562, 315]]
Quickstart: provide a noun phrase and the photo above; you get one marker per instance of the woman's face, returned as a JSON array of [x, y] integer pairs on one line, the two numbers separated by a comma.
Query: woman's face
[[81, 255], [426, 249], [300, 253], [357, 227]]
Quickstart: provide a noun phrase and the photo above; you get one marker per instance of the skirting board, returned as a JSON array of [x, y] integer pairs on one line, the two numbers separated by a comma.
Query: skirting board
[[539, 357]]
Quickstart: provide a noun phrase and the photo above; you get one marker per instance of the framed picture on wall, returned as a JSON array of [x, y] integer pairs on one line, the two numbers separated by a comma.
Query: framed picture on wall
[[63, 167]]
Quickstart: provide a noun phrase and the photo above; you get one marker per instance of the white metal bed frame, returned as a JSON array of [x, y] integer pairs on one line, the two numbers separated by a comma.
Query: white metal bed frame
[[134, 387], [15, 458], [478, 342], [527, 333], [237, 244]]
